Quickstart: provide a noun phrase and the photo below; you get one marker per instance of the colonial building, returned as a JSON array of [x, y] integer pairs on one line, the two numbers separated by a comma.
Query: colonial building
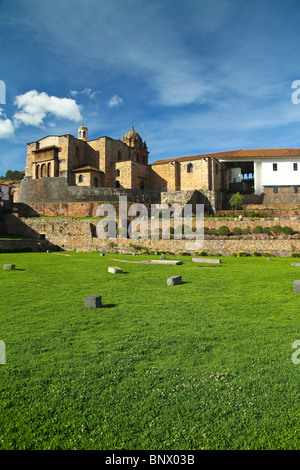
[[109, 163], [102, 162], [273, 173]]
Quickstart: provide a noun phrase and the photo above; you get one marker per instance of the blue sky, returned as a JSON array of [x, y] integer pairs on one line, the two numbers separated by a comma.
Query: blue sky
[[192, 76]]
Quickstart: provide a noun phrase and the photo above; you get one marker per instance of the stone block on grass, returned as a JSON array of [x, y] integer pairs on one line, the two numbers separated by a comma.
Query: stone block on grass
[[206, 260], [297, 287], [295, 264], [8, 267], [174, 280], [115, 270], [93, 301]]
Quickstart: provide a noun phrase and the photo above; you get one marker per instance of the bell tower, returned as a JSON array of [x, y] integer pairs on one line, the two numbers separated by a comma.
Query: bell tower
[[83, 133]]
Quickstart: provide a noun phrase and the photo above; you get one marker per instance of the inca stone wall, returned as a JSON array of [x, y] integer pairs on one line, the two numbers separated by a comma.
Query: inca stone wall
[[72, 234]]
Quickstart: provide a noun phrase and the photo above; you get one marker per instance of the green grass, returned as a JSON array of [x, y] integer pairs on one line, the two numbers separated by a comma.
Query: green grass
[[203, 365]]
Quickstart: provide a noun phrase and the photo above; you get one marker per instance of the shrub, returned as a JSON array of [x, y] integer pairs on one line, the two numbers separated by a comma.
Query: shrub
[[242, 253], [295, 254], [256, 253], [135, 247], [234, 253], [247, 230], [213, 231], [267, 230], [237, 231], [287, 230], [258, 229], [206, 230], [200, 253], [223, 230], [276, 230], [182, 253], [266, 254]]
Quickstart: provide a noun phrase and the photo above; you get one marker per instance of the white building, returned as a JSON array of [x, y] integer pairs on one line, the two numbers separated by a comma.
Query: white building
[[262, 171]]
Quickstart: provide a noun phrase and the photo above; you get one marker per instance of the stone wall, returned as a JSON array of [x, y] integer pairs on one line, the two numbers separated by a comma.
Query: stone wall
[[57, 190], [243, 224], [70, 234], [281, 194]]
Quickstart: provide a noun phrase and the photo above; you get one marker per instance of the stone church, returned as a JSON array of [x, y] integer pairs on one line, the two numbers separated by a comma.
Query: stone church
[[82, 169], [102, 162]]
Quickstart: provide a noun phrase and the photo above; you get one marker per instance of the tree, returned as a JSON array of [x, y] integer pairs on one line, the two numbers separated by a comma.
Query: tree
[[236, 201], [13, 175]]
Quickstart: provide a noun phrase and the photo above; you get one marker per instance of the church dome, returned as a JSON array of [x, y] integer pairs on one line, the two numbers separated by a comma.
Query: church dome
[[132, 134]]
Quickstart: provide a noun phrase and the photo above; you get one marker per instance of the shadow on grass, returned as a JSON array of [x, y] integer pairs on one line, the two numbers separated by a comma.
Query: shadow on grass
[[109, 305], [211, 266]]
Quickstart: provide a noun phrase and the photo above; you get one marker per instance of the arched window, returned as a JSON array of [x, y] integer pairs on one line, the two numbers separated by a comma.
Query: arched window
[[37, 171], [117, 184], [49, 169], [142, 185], [43, 170], [96, 182], [190, 168], [80, 179], [117, 172]]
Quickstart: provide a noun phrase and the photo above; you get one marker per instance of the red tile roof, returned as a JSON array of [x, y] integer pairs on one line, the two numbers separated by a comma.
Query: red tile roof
[[237, 154]]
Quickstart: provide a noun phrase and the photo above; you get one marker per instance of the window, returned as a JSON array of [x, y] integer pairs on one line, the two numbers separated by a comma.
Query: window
[[295, 166], [275, 167], [117, 184], [117, 172], [80, 179], [275, 189], [190, 168]]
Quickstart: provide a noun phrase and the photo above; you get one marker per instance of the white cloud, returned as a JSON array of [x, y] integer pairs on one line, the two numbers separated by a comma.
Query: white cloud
[[6, 128], [86, 91], [34, 107], [114, 101]]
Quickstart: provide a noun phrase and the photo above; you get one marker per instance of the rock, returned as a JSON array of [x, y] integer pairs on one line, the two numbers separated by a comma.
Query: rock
[[93, 301], [102, 254], [295, 264], [8, 267], [206, 260], [162, 257], [114, 270], [297, 287], [174, 280], [162, 261]]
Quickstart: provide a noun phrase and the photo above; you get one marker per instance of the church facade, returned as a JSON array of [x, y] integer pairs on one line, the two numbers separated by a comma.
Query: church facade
[[102, 162]]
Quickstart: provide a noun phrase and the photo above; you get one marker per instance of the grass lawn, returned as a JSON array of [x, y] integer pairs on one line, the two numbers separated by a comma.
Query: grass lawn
[[203, 365]]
